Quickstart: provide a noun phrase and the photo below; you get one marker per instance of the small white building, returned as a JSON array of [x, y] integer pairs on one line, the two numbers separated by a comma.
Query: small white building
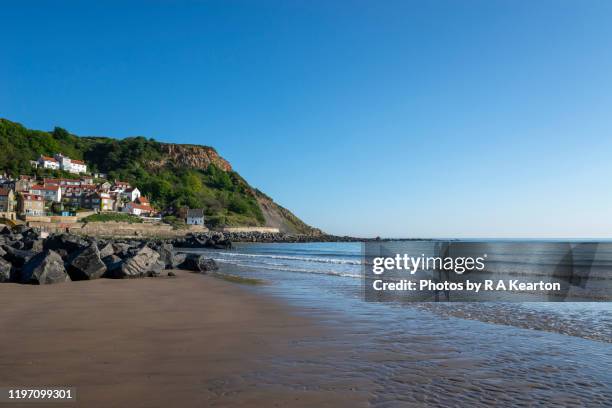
[[195, 216], [137, 209], [50, 192], [47, 162], [71, 165], [78, 166], [131, 194]]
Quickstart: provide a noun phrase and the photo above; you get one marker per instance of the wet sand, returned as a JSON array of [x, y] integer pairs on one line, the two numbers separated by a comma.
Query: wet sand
[[186, 341]]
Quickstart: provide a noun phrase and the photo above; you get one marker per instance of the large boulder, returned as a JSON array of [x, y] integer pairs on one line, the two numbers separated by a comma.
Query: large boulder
[[5, 270], [112, 262], [177, 260], [18, 229], [157, 268], [166, 254], [171, 259], [198, 263], [86, 264], [17, 257], [141, 264], [106, 250], [36, 245], [121, 249], [68, 242], [45, 268], [17, 244]]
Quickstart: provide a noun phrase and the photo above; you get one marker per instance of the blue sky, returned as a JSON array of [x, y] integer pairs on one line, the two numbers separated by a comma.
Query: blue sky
[[394, 118]]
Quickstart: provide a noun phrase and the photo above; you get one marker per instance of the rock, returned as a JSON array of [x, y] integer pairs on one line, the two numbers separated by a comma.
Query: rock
[[63, 253], [157, 268], [36, 245], [17, 257], [223, 244], [112, 262], [171, 273], [67, 242], [198, 263], [171, 259], [107, 250], [30, 234], [5, 270], [45, 268], [4, 230], [18, 229], [86, 264], [18, 245], [139, 265], [178, 259], [166, 254], [121, 249]]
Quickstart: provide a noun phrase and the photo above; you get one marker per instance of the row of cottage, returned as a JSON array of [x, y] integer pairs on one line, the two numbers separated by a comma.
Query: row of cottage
[[60, 162], [31, 197]]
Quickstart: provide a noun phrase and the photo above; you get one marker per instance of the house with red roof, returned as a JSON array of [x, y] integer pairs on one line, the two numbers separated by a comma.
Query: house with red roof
[[31, 204], [48, 162], [50, 192], [137, 209]]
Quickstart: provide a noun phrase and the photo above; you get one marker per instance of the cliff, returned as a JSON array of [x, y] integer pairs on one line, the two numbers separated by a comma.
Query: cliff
[[171, 175], [190, 156]]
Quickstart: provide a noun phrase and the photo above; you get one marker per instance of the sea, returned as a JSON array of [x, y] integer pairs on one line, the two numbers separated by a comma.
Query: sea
[[433, 354]]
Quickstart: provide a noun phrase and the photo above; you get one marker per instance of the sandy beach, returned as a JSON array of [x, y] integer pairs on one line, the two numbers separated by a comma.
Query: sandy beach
[[191, 340]]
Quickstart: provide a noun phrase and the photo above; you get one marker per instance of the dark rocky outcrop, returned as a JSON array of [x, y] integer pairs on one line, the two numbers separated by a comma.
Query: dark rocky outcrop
[[45, 268], [224, 240], [112, 262], [67, 242], [18, 257], [26, 257], [198, 263], [168, 256], [86, 264], [143, 263]]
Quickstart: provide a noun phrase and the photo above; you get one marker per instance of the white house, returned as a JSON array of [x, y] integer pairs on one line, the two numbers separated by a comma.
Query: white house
[[78, 166], [131, 194], [195, 216], [50, 192], [47, 162], [137, 209], [64, 161], [71, 165]]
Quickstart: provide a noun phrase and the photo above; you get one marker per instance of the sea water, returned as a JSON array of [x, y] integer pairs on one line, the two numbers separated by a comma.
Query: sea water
[[434, 353]]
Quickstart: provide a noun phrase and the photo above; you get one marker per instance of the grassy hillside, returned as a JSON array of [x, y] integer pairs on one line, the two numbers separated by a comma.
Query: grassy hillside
[[170, 175]]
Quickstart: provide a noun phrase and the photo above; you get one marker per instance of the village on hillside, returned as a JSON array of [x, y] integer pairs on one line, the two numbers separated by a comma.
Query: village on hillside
[[32, 199]]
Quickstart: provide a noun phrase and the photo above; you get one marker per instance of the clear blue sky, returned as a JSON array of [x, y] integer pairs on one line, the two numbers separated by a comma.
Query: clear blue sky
[[395, 118]]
